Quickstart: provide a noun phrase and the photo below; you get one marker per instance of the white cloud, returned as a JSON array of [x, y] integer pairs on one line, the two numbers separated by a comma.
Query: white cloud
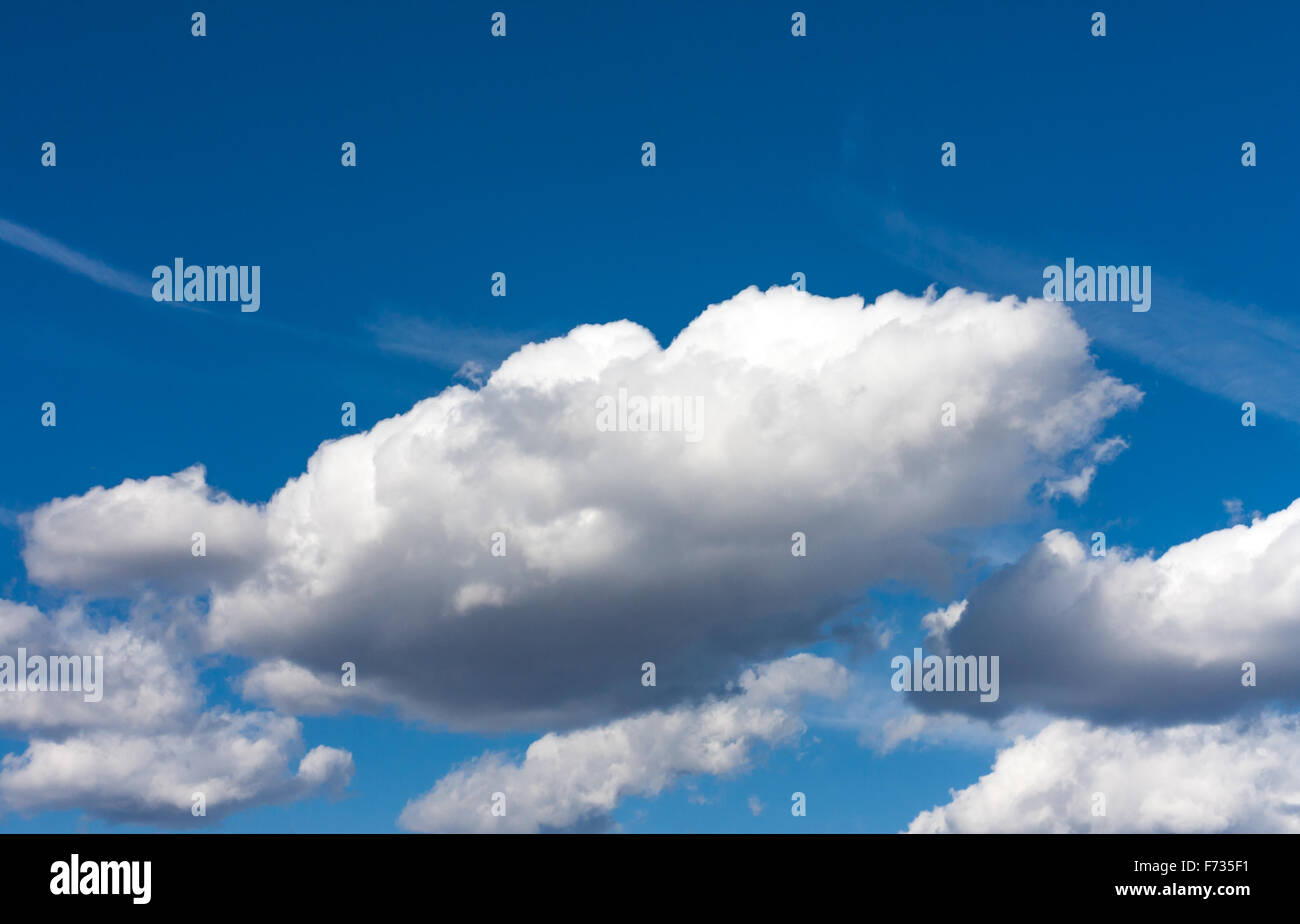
[[291, 688], [1076, 486], [1145, 637], [1235, 510], [235, 760], [147, 684], [143, 744], [820, 415], [578, 778], [140, 532], [941, 620], [1224, 348], [1232, 777]]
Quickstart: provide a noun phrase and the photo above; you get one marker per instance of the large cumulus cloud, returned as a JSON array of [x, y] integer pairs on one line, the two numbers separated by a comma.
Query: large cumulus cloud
[[820, 415]]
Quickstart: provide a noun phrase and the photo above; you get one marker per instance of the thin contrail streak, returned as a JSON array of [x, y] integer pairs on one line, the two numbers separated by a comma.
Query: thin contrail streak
[[79, 263]]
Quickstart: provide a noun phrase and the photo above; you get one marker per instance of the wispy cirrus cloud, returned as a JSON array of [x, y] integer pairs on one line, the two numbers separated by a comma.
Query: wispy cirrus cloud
[[1251, 355], [49, 249], [470, 352]]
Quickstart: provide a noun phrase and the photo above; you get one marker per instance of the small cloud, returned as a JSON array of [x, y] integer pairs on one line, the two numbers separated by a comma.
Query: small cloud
[[755, 806], [1076, 486], [470, 352], [473, 372], [940, 621], [1236, 511], [1107, 450]]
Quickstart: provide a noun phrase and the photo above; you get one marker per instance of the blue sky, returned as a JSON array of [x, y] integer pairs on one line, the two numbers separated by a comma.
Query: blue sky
[[775, 154]]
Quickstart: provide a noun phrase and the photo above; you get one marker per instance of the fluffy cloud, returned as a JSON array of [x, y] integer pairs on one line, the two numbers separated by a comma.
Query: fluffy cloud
[[1233, 777], [139, 533], [1151, 638], [576, 779], [291, 688], [142, 744], [147, 683], [236, 760], [820, 415]]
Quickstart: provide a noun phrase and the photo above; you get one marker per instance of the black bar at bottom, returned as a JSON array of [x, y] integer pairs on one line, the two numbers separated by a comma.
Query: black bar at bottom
[[644, 874]]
